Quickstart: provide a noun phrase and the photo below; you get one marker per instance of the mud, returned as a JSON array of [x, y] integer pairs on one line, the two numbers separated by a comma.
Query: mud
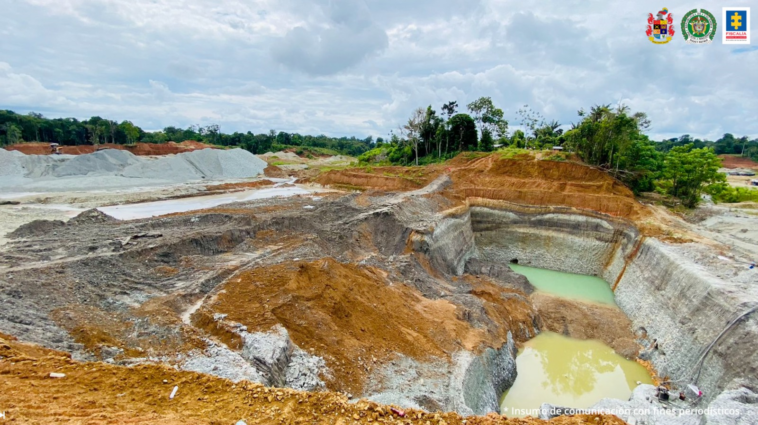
[[402, 297], [98, 393]]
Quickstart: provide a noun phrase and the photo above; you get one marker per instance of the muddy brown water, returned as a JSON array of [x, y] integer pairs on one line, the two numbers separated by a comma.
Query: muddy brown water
[[568, 372], [564, 371]]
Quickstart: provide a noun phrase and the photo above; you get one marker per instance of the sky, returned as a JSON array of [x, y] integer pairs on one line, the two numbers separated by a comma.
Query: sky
[[360, 67]]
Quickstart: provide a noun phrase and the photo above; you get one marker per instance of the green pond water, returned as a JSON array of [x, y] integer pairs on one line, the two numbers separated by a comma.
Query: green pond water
[[563, 371], [568, 285]]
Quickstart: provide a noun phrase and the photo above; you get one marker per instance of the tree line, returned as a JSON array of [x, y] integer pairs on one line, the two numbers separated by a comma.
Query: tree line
[[610, 138], [18, 128]]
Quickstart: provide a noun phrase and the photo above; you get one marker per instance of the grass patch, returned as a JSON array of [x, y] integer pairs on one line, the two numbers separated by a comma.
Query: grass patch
[[511, 152]]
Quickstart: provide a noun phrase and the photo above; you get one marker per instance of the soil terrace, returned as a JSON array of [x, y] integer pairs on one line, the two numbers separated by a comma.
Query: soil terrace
[[98, 393], [524, 181]]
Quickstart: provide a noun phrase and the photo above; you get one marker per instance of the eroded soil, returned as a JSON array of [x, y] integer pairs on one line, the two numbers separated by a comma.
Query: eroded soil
[[97, 393]]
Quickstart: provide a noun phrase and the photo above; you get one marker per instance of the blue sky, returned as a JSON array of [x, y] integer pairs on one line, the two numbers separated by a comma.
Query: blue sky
[[360, 67]]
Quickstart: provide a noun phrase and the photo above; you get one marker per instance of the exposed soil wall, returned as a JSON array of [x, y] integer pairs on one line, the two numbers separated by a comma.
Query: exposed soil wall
[[40, 148], [523, 181], [685, 309], [669, 299]]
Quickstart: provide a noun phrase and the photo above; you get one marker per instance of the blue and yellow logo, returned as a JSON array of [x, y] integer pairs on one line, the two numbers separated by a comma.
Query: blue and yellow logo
[[736, 20]]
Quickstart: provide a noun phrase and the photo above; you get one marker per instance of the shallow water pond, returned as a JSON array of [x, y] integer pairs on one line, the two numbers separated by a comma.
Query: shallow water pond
[[568, 372], [568, 285]]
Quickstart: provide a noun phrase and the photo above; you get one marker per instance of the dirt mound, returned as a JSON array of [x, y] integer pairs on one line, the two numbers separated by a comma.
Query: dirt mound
[[352, 316], [523, 181], [587, 321], [92, 216], [382, 178], [36, 228], [97, 393], [275, 172], [734, 161], [233, 187], [170, 148]]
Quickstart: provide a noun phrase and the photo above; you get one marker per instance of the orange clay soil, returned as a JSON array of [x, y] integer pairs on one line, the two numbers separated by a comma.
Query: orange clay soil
[[523, 180], [272, 171], [97, 393], [148, 330], [231, 187], [732, 161], [41, 148], [354, 317]]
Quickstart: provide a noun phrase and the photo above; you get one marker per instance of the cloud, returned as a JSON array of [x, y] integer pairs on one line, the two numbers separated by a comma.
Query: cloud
[[349, 36], [360, 67]]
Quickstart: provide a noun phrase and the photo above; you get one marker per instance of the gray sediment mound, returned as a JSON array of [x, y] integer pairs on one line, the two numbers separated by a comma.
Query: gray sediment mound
[[90, 217], [117, 167], [36, 228], [108, 161], [41, 227]]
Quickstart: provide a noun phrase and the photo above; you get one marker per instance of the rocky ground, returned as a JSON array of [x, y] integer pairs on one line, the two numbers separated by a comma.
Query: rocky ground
[[97, 393], [370, 294]]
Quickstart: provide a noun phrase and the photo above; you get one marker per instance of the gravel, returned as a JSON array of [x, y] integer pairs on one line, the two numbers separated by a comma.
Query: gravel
[[220, 361], [115, 168]]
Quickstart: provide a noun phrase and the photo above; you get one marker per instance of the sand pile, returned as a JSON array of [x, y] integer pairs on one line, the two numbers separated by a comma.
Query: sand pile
[[122, 168]]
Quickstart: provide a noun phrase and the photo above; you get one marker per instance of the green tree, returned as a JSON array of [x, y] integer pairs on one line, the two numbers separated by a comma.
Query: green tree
[[489, 117], [12, 133], [641, 165], [687, 171], [412, 129], [130, 131], [428, 132], [604, 134], [518, 139], [449, 109], [463, 132], [531, 120], [486, 144]]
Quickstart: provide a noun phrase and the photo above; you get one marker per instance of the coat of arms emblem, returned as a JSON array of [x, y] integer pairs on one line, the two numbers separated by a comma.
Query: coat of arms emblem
[[698, 26], [660, 28]]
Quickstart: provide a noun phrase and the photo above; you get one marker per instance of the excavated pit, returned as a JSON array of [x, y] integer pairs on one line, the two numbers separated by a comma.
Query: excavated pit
[[240, 287]]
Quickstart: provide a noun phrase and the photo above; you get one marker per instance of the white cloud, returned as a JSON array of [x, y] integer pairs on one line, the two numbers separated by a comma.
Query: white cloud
[[346, 67]]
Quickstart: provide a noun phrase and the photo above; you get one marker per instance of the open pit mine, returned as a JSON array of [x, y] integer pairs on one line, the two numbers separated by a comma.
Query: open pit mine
[[483, 290]]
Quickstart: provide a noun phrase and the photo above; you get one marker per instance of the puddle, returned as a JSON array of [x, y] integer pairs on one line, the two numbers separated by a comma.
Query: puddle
[[568, 285], [567, 372], [152, 209]]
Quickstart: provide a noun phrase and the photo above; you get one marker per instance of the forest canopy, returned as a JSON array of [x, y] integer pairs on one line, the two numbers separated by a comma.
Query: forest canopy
[[610, 138], [17, 128]]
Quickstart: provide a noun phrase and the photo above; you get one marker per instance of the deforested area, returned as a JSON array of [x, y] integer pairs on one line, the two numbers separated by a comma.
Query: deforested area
[[397, 293], [398, 212]]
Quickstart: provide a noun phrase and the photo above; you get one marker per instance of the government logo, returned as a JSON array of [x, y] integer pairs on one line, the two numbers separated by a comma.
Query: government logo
[[660, 28], [736, 25], [698, 26]]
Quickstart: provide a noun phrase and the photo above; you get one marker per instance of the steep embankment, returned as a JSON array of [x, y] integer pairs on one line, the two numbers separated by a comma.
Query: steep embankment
[[521, 181], [41, 148], [674, 304], [356, 318]]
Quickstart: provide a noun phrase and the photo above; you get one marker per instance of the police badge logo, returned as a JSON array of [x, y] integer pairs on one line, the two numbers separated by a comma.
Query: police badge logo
[[698, 26], [660, 29]]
